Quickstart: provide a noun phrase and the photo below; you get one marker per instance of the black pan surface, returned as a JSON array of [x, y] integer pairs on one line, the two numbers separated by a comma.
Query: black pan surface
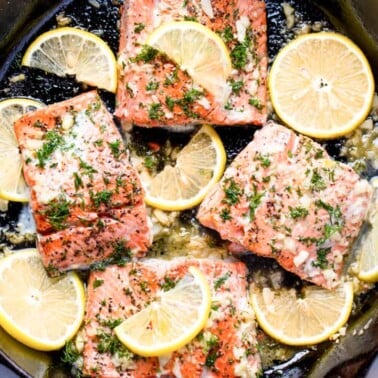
[[19, 28]]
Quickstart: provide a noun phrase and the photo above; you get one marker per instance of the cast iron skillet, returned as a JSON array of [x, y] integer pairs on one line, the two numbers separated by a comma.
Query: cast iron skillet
[[22, 20]]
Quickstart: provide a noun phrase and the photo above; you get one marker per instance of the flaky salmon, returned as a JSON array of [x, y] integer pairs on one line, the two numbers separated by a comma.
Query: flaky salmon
[[226, 347], [86, 198], [283, 197], [153, 91]]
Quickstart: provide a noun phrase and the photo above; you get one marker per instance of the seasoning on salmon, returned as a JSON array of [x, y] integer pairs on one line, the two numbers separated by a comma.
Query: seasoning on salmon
[[153, 91], [86, 198], [226, 347], [283, 197]]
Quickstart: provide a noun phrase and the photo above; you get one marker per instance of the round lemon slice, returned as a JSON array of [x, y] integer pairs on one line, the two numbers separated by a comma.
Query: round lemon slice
[[198, 51], [70, 51], [40, 312], [305, 319], [321, 85], [199, 165], [172, 321], [12, 184]]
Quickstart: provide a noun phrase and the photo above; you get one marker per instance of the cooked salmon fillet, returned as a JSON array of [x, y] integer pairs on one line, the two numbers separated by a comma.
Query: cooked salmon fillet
[[86, 198], [153, 91], [283, 197], [118, 292]]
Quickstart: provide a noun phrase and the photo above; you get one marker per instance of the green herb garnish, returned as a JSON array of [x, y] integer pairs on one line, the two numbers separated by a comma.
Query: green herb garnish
[[53, 140]]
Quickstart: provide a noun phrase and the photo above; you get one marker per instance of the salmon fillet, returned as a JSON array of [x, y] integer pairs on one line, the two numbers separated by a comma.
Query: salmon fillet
[[86, 198], [153, 91], [283, 197], [226, 347]]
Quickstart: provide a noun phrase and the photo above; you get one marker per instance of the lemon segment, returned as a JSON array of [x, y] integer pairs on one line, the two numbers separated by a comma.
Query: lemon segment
[[199, 165], [368, 257], [307, 319], [321, 85], [197, 50], [12, 184], [172, 321], [40, 312], [70, 51]]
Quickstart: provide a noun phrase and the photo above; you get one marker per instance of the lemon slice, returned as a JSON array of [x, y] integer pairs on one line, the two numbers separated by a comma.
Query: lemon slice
[[310, 318], [12, 184], [199, 165], [368, 258], [172, 321], [70, 51], [321, 85], [198, 51], [40, 312]]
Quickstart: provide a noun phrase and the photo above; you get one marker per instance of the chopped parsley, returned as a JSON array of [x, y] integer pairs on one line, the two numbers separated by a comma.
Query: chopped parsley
[[227, 34], [228, 106], [86, 169], [109, 343], [101, 197], [115, 148], [232, 191], [152, 85], [221, 280], [225, 214], [150, 162], [192, 95], [319, 153], [170, 102], [186, 101], [139, 26], [335, 213], [171, 78], [254, 101], [190, 18], [57, 211], [211, 357], [78, 182], [254, 202], [70, 353], [111, 323], [53, 140], [264, 159], [317, 181], [147, 54], [168, 284], [38, 123], [239, 54], [121, 253], [298, 212], [236, 86], [98, 142], [97, 283], [321, 258], [155, 111], [144, 286]]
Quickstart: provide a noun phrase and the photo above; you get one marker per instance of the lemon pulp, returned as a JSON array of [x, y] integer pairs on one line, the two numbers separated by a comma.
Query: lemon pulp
[[12, 184], [307, 319], [171, 321], [40, 312], [70, 51], [199, 165]]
